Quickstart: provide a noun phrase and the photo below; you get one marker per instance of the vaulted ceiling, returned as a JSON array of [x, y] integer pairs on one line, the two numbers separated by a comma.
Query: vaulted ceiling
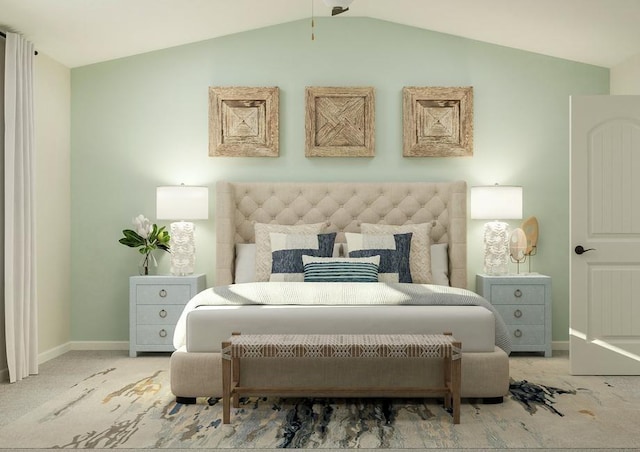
[[80, 32]]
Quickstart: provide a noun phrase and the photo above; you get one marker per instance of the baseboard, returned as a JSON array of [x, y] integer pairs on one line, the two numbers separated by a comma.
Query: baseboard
[[100, 345], [54, 353], [81, 345], [560, 345], [73, 345], [42, 358]]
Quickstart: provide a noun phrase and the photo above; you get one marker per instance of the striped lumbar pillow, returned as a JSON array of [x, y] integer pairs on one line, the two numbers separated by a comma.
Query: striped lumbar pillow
[[341, 269]]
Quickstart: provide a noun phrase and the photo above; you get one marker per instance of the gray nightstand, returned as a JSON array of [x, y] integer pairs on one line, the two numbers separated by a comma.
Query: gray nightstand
[[524, 302], [155, 303]]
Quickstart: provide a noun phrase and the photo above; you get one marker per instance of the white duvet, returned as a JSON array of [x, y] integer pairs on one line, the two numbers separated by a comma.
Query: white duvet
[[306, 293]]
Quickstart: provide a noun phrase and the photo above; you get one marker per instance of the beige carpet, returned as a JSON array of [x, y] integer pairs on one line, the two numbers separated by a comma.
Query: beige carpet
[[104, 400]]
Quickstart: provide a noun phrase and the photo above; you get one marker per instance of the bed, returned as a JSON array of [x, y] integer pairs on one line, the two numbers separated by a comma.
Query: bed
[[430, 301]]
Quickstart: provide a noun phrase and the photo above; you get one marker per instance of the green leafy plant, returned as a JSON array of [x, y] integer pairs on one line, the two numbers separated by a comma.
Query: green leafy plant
[[146, 237]]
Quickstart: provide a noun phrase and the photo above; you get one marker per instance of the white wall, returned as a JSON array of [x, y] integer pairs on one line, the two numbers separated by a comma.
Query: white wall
[[53, 198], [625, 77]]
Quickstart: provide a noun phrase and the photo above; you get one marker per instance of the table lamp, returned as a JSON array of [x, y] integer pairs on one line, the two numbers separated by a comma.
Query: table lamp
[[182, 203], [496, 202]]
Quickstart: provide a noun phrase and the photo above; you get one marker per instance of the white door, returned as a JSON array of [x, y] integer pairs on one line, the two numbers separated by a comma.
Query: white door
[[604, 330]]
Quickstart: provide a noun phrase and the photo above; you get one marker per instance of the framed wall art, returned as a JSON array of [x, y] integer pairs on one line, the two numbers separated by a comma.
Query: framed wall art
[[243, 121], [437, 121], [340, 122]]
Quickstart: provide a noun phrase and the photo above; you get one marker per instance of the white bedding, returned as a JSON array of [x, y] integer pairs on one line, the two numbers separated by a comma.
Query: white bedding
[[208, 326], [343, 294]]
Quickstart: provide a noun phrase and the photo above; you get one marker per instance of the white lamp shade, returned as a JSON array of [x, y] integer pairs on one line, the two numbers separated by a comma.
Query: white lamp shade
[[182, 203], [496, 202]]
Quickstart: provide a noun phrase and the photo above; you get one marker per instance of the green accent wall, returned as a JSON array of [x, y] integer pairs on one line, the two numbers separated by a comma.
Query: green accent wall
[[142, 121]]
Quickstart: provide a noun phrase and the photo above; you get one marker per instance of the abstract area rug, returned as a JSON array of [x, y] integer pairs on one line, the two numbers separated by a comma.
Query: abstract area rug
[[128, 404]]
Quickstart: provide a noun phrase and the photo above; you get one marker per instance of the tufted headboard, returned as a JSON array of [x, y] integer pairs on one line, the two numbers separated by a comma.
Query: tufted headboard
[[239, 205]]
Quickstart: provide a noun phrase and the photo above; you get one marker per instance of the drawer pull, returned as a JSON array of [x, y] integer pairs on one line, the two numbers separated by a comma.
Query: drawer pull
[[163, 293], [162, 313], [163, 333], [517, 313], [517, 293], [516, 333]]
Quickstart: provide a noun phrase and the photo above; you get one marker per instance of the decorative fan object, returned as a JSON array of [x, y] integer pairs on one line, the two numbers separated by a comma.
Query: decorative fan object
[[518, 246], [531, 230]]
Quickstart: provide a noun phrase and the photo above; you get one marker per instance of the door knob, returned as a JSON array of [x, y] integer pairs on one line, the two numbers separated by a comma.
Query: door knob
[[580, 249]]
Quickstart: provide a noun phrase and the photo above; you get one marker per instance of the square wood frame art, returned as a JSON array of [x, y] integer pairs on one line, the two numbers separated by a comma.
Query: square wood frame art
[[340, 122], [437, 121], [243, 121]]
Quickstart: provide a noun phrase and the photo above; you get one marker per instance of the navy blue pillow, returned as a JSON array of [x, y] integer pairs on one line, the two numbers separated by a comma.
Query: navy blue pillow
[[287, 256], [392, 261]]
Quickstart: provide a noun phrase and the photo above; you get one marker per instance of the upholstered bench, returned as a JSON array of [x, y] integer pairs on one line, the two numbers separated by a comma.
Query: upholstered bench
[[344, 346]]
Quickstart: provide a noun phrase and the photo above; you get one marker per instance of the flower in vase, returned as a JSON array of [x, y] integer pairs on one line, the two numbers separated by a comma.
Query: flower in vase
[[143, 226], [146, 237]]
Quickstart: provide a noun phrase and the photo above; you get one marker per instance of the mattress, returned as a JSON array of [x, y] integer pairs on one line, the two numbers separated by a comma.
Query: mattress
[[208, 326]]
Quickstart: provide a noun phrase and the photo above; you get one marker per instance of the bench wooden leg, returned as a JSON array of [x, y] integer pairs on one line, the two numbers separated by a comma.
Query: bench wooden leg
[[235, 381], [456, 380], [448, 399], [226, 387]]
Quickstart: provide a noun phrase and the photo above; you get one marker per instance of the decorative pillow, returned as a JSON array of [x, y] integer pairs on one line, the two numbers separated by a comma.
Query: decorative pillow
[[341, 269], [440, 264], [245, 270], [393, 250], [287, 251], [420, 256], [263, 243]]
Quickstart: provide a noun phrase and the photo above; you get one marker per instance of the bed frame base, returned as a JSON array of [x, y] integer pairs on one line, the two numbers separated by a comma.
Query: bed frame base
[[485, 376]]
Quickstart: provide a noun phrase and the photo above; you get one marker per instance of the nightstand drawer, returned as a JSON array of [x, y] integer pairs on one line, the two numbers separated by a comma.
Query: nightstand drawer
[[526, 334], [163, 293], [149, 314], [517, 294], [514, 314], [154, 334]]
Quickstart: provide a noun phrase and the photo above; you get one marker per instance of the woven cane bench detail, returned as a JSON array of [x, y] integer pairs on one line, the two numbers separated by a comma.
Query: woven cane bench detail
[[282, 346]]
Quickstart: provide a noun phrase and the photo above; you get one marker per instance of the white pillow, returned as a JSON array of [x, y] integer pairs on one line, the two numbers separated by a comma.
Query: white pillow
[[440, 264], [420, 254], [263, 243], [245, 263]]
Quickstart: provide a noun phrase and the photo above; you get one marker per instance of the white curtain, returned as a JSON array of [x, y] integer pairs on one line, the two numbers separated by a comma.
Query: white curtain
[[21, 314]]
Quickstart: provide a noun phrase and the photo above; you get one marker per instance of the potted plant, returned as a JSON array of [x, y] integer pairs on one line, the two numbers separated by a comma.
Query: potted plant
[[146, 237]]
